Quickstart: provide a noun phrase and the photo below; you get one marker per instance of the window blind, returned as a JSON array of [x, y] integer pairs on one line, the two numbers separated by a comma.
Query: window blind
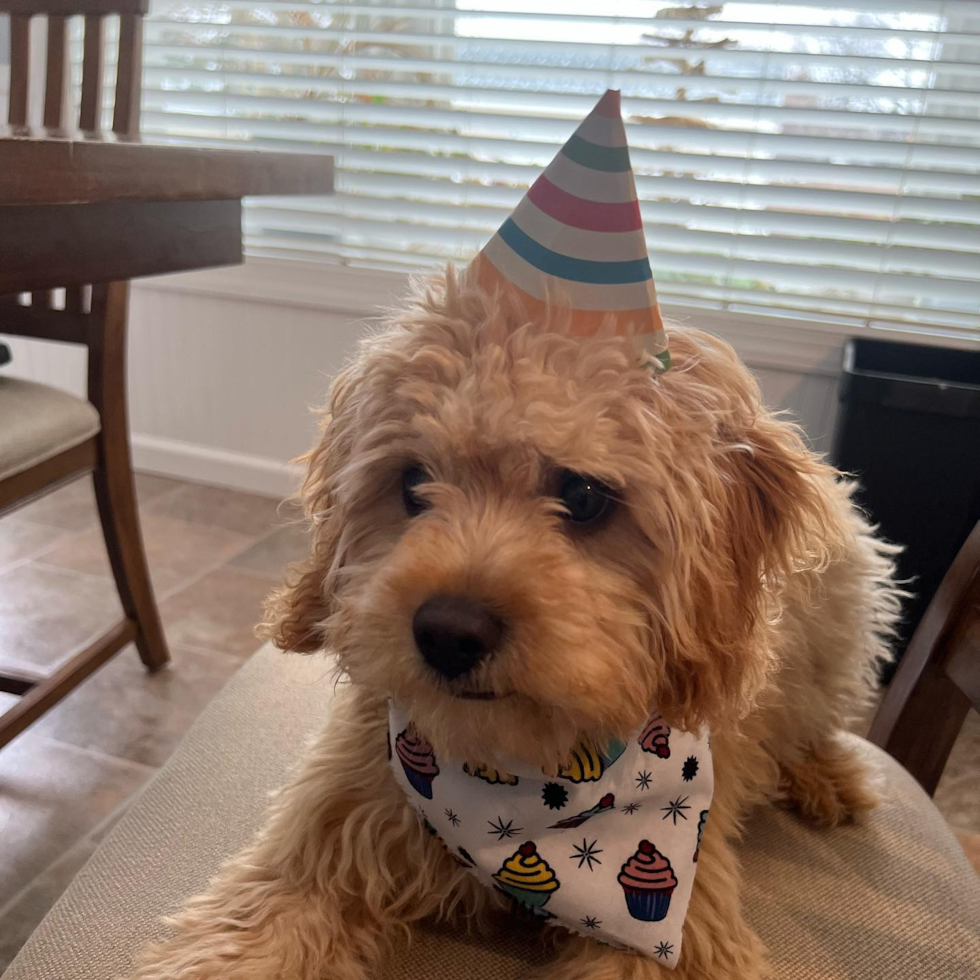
[[790, 158]]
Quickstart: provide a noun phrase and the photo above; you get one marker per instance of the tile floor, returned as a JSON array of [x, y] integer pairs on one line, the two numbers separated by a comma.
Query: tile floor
[[214, 554]]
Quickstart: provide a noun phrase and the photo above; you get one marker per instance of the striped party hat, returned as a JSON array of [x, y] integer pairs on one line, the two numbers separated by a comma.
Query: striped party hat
[[576, 239]]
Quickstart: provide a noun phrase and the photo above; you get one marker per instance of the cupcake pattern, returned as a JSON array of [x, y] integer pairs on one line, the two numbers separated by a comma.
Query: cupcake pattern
[[655, 737], [587, 761], [490, 775], [527, 877], [417, 759], [648, 882], [701, 823], [613, 863]]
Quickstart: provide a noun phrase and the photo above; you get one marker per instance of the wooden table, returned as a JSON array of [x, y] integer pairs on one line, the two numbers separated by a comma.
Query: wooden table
[[103, 211], [80, 211]]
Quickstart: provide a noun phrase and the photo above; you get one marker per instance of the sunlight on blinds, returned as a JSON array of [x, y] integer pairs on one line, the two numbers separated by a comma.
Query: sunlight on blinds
[[821, 163]]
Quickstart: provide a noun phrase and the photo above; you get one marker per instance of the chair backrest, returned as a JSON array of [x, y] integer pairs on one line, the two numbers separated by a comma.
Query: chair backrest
[[126, 107], [938, 679], [126, 104]]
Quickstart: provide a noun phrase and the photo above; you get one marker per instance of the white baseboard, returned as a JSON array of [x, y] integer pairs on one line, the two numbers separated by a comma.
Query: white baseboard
[[220, 467]]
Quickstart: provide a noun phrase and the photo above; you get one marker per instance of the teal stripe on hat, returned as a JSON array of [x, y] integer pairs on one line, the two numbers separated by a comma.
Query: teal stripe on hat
[[565, 267], [610, 159]]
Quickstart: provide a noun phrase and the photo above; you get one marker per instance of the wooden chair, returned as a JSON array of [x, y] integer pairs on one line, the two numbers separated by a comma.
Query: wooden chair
[[47, 436], [939, 676]]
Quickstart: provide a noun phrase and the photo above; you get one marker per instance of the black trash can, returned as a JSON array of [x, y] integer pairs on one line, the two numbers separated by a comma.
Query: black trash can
[[909, 427]]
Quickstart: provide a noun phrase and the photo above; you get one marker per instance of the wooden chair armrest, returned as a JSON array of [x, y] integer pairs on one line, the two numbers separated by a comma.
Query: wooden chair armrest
[[939, 677]]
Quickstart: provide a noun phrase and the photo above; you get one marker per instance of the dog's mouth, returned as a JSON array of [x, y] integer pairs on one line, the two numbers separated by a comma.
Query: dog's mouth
[[478, 695]]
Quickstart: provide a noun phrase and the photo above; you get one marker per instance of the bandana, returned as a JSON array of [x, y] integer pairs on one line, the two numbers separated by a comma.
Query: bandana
[[608, 848]]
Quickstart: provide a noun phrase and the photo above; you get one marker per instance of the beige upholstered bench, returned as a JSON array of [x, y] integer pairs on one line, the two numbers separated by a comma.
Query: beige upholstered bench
[[893, 900]]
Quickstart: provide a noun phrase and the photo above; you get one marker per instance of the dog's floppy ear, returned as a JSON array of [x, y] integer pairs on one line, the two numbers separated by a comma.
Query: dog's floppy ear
[[296, 612], [766, 514]]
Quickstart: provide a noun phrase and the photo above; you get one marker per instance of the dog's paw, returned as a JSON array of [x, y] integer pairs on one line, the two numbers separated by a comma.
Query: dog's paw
[[829, 785]]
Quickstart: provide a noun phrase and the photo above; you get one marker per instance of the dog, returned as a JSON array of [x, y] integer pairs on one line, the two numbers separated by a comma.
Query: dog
[[630, 540]]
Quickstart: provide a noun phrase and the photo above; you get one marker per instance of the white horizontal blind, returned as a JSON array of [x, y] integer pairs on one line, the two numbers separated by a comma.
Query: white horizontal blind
[[820, 163]]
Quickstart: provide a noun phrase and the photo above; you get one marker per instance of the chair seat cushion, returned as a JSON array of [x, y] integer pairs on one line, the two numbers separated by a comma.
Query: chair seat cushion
[[38, 422], [894, 898]]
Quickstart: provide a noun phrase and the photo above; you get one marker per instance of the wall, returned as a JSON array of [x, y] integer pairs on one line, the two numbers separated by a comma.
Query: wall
[[220, 390], [224, 367]]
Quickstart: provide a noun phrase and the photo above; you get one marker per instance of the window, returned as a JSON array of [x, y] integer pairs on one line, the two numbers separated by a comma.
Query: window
[[4, 59], [819, 163]]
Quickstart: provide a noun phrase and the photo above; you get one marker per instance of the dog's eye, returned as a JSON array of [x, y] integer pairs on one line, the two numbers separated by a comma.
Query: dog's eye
[[414, 476], [586, 499]]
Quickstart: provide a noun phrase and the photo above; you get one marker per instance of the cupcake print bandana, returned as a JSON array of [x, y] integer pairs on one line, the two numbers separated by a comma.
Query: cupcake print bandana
[[607, 848]]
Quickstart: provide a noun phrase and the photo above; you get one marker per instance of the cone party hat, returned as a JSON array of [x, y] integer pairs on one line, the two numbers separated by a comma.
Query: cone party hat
[[576, 240]]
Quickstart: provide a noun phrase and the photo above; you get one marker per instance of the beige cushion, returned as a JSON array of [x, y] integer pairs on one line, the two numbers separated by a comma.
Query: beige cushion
[[38, 422], [895, 899]]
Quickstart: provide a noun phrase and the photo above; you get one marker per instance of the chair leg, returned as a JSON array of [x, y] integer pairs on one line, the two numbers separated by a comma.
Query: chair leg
[[115, 493], [115, 490]]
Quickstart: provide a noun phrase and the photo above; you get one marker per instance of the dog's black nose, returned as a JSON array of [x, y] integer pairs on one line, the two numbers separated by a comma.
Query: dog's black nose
[[454, 633]]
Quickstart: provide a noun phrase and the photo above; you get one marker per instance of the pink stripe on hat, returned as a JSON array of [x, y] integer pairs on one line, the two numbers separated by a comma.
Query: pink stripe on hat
[[580, 213]]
